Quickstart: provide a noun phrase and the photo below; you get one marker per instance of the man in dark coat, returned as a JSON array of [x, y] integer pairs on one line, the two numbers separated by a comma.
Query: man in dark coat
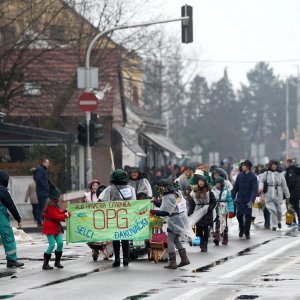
[[42, 188], [6, 232], [292, 177], [245, 190]]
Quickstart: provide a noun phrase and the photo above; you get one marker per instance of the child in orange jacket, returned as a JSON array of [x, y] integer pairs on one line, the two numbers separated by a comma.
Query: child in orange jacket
[[53, 215]]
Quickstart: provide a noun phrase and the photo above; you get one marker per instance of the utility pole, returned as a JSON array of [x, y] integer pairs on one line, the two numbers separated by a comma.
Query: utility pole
[[287, 120], [298, 115], [187, 27]]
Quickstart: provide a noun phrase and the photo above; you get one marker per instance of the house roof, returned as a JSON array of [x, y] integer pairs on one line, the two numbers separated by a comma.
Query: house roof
[[56, 74], [130, 140], [165, 143], [147, 116]]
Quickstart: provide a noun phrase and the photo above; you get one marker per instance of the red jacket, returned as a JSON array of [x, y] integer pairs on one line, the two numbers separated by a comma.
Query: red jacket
[[52, 217]]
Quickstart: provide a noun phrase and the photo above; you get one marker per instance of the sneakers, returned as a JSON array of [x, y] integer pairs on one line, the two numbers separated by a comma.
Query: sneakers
[[279, 225], [241, 233], [14, 264]]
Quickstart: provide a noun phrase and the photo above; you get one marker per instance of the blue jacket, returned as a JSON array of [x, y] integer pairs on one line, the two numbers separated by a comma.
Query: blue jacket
[[245, 189], [41, 180]]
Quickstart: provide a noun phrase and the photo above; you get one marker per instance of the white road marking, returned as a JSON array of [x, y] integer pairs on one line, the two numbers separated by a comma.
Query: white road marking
[[287, 265], [260, 260], [189, 294]]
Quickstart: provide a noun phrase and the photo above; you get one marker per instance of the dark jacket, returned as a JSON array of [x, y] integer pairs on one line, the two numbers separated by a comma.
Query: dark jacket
[[41, 180], [292, 177], [5, 197], [207, 219], [245, 189]]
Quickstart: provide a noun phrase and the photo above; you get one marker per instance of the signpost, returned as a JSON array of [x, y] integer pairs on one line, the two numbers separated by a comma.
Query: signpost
[[88, 102]]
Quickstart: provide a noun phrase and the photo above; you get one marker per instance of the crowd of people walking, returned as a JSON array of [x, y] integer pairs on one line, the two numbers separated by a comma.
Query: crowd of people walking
[[197, 200]]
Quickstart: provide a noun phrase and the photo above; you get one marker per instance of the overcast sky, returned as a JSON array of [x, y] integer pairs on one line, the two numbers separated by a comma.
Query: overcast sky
[[238, 32]]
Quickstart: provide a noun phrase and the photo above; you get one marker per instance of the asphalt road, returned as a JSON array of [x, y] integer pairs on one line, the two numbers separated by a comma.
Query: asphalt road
[[264, 267]]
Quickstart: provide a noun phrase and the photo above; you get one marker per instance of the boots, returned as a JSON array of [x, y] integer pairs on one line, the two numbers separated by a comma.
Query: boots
[[116, 263], [225, 237], [14, 264], [203, 247], [58, 255], [46, 262], [172, 261], [216, 234], [216, 237], [125, 249], [116, 246], [95, 254], [184, 259]]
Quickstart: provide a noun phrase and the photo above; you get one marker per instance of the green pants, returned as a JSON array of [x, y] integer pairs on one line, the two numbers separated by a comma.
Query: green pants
[[7, 235], [52, 239]]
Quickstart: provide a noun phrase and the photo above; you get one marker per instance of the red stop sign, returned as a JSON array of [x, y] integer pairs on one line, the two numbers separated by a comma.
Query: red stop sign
[[88, 102]]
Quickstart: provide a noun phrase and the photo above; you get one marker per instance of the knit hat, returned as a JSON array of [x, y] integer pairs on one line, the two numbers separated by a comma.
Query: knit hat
[[54, 192], [119, 176], [219, 180], [199, 172], [168, 185]]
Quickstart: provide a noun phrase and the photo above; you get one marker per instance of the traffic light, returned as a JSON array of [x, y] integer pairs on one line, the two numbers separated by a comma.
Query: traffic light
[[82, 134], [95, 134], [187, 25]]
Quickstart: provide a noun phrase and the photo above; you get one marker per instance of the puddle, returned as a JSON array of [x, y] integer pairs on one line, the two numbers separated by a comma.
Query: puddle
[[246, 297], [182, 280], [72, 277], [225, 259], [270, 275], [6, 274], [190, 276], [277, 279], [142, 295]]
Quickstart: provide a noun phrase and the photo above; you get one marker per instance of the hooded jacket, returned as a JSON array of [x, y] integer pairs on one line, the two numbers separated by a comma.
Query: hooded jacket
[[5, 197], [41, 179]]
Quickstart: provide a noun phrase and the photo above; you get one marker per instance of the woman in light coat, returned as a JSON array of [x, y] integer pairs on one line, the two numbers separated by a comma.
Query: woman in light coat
[[276, 192]]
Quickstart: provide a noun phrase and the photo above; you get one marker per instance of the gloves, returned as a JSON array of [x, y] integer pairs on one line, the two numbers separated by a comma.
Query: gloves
[[68, 214], [231, 215], [156, 202], [152, 212], [250, 204]]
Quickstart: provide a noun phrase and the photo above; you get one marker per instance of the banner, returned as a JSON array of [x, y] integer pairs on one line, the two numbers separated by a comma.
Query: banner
[[109, 220]]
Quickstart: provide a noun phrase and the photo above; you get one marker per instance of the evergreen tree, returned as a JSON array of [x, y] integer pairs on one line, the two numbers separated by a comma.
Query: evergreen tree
[[222, 115], [263, 109]]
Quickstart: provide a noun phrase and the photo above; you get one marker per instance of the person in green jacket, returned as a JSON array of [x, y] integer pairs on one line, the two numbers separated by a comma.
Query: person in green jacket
[[6, 232]]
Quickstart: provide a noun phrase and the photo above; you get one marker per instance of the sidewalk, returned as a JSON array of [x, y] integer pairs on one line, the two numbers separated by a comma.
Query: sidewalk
[[29, 226]]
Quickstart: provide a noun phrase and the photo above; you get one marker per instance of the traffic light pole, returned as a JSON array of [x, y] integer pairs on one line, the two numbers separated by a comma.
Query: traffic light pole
[[89, 163]]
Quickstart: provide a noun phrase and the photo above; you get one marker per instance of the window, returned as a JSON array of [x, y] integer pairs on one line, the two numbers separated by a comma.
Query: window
[[57, 33], [32, 89], [8, 34]]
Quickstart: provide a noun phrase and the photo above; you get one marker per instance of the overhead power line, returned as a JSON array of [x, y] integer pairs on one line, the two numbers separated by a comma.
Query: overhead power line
[[237, 61]]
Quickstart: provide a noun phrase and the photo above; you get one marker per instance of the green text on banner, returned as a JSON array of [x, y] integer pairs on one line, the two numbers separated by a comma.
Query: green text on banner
[[107, 221]]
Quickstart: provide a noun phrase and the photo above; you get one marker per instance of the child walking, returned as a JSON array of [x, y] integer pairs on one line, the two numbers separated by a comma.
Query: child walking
[[202, 198], [53, 215]]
